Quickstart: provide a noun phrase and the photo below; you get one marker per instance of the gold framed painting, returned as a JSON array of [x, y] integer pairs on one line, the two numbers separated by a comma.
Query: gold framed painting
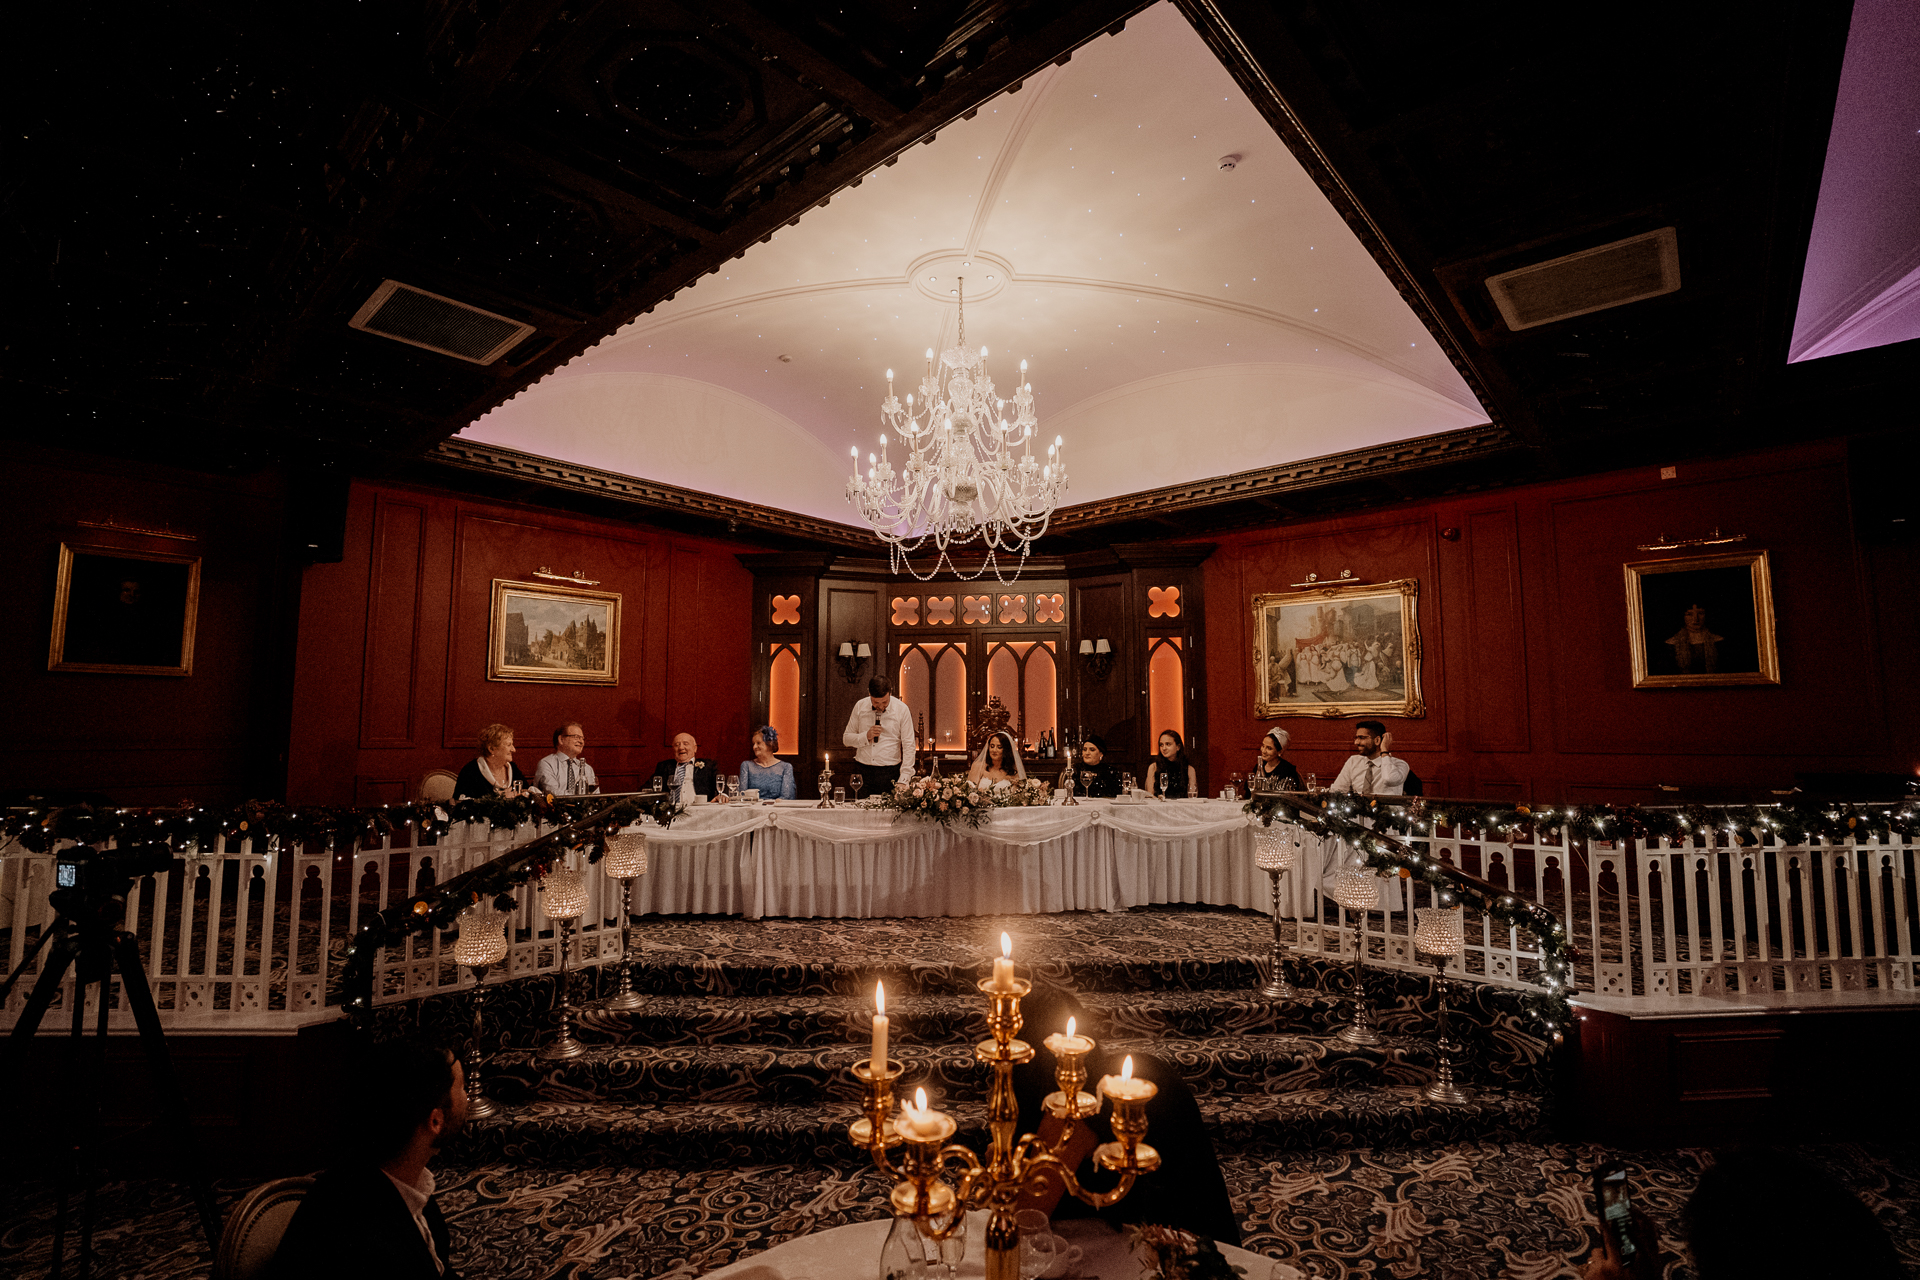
[[1338, 651], [124, 612], [556, 635], [1702, 621]]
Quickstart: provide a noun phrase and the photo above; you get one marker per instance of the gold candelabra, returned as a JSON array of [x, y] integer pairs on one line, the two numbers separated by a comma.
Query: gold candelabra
[[995, 1184]]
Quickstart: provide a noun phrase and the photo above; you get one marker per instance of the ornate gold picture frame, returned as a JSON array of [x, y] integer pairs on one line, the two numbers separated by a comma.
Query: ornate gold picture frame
[[556, 635], [124, 612], [1700, 621], [1338, 651]]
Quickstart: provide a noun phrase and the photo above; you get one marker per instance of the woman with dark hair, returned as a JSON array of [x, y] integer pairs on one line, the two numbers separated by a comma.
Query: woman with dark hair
[[771, 777], [1172, 776], [1272, 768], [494, 772], [999, 763]]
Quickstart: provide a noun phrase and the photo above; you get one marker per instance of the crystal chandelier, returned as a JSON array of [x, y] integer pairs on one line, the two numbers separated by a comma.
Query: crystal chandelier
[[970, 473]]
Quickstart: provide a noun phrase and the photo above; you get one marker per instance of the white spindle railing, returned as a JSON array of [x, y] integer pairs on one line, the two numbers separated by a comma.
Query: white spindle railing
[[252, 937], [1656, 919]]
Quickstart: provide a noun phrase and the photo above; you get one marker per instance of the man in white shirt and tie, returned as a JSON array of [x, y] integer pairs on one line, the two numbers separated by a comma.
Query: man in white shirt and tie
[[564, 773], [880, 730], [1372, 769]]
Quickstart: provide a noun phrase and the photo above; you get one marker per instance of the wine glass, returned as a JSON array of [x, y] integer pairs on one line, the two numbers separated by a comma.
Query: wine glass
[[1037, 1244], [1161, 779], [953, 1249], [857, 781]]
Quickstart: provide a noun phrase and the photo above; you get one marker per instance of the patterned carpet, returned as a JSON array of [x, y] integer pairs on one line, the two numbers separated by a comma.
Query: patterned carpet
[[710, 1124], [1464, 1210]]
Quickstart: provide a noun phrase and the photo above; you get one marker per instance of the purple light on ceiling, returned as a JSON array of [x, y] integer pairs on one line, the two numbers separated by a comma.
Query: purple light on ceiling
[[1862, 283]]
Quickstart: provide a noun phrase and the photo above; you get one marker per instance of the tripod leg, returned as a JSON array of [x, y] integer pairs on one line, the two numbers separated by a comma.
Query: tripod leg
[[65, 948], [173, 1103], [97, 1072]]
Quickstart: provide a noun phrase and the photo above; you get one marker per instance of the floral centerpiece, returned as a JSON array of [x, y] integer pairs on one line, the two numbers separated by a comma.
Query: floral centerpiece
[[951, 800]]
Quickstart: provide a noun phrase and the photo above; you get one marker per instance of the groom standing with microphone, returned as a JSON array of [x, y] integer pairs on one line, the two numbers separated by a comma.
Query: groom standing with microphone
[[879, 730]]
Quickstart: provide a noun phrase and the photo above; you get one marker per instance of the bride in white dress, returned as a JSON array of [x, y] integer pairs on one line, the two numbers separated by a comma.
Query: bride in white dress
[[998, 764]]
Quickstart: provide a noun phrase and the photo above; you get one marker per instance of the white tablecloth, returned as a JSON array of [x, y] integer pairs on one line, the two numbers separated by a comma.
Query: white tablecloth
[[854, 1252], [794, 859]]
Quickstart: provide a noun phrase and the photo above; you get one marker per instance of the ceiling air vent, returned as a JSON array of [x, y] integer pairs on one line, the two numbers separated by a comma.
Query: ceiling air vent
[[422, 319], [1591, 280]]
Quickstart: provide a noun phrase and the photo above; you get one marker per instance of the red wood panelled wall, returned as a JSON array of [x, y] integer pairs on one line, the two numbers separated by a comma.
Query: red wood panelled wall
[[216, 735], [1523, 617], [392, 667]]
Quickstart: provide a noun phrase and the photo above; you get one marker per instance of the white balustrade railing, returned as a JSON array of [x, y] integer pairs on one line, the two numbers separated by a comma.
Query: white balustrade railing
[[252, 938], [1656, 919]]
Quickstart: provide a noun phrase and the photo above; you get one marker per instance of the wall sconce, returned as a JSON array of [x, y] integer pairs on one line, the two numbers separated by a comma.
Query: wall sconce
[[1097, 657], [852, 659]]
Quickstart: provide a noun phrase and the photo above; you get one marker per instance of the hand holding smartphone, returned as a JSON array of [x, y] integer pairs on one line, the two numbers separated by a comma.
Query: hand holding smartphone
[[1624, 1235]]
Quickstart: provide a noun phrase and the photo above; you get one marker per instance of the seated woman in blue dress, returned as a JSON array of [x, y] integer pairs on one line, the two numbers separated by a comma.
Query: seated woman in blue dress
[[772, 778]]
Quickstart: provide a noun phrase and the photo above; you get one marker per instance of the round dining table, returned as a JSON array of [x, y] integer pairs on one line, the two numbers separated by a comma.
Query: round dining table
[[852, 1252]]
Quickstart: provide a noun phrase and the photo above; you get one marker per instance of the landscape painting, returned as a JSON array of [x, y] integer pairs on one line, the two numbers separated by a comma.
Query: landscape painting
[[565, 635], [1338, 651]]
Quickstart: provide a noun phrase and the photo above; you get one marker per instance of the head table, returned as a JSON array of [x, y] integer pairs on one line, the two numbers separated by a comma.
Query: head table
[[795, 859], [853, 1253]]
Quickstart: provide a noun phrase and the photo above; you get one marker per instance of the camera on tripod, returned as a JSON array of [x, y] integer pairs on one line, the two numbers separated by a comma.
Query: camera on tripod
[[87, 877]]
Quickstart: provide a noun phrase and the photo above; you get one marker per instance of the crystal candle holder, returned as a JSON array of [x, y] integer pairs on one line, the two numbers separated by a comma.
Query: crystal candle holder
[[1359, 892], [626, 858], [1274, 852], [1440, 932]]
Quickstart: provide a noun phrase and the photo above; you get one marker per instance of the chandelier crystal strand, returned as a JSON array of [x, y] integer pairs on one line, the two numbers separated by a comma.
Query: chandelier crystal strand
[[970, 474]]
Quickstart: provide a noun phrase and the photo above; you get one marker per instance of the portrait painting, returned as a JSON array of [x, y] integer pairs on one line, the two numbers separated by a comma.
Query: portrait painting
[[126, 612], [1702, 620], [1338, 651], [562, 635]]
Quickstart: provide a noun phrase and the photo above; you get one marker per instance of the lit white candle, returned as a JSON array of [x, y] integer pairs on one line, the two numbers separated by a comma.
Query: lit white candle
[[1061, 1045], [880, 1025], [919, 1124], [1124, 1088], [1003, 967]]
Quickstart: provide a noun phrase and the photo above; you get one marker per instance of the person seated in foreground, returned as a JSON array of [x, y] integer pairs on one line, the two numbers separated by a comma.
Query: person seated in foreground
[[1272, 769], [564, 773], [1098, 779], [999, 763], [1172, 775], [372, 1214], [686, 775], [771, 777], [1759, 1213], [494, 772]]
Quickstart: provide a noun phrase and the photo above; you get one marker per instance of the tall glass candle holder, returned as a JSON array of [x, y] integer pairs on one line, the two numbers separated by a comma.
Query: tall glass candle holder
[[1440, 933], [626, 858], [1359, 892], [1275, 851], [480, 944]]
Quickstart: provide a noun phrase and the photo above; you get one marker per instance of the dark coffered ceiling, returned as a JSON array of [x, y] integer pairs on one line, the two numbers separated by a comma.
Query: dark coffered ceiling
[[198, 198]]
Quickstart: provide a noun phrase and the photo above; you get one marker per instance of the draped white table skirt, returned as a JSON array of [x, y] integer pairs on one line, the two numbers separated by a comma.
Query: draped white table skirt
[[792, 859]]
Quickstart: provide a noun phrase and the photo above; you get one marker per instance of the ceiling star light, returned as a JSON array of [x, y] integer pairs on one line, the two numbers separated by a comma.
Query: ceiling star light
[[970, 473]]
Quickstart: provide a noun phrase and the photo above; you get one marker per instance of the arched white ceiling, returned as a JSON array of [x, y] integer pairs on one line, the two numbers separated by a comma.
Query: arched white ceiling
[[1180, 321]]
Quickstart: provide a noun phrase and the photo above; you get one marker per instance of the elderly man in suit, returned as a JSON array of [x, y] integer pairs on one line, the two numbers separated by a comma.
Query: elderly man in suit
[[686, 775]]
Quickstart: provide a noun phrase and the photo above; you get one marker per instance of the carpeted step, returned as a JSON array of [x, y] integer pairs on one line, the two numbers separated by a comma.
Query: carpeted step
[[1221, 1066], [796, 1021], [688, 1135]]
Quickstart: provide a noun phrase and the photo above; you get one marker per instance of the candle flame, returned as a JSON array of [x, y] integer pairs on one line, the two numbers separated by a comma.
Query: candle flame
[[919, 1099], [879, 997], [1126, 1068], [1069, 1027], [1006, 946]]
